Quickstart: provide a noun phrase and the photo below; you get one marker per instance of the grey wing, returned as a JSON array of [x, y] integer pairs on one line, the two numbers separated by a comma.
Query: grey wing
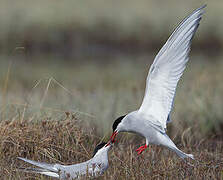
[[50, 167], [76, 170], [44, 168], [40, 171], [166, 71]]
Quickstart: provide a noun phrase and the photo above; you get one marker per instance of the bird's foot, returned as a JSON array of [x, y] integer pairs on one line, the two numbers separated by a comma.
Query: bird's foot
[[141, 149]]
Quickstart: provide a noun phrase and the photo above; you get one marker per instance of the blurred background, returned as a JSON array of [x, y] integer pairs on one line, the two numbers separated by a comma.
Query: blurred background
[[91, 58]]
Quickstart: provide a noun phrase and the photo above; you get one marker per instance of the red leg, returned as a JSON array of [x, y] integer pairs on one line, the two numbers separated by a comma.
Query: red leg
[[141, 149]]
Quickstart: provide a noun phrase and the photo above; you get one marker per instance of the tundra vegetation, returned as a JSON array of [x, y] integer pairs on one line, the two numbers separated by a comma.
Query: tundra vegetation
[[68, 71]]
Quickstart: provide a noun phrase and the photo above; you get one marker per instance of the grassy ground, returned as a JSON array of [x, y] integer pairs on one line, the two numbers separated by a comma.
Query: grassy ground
[[68, 142], [37, 96]]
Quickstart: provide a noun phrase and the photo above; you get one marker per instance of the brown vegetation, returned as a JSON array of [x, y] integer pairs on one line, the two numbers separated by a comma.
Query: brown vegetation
[[68, 142]]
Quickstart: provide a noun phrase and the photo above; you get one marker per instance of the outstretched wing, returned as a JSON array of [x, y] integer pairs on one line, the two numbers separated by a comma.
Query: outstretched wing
[[166, 71]]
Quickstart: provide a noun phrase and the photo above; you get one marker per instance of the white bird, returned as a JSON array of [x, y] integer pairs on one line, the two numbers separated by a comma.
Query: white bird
[[93, 167], [151, 118]]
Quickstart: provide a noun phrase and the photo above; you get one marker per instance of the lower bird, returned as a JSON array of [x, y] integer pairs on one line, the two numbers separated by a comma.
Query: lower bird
[[93, 167], [151, 118]]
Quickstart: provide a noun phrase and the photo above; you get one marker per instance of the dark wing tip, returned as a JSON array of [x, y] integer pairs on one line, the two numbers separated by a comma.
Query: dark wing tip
[[200, 9]]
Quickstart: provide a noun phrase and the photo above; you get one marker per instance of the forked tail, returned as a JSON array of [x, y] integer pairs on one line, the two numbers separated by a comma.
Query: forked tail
[[44, 168]]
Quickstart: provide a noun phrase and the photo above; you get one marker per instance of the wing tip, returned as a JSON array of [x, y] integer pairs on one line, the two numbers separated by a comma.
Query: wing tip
[[41, 170], [201, 10], [203, 6], [26, 160], [20, 158]]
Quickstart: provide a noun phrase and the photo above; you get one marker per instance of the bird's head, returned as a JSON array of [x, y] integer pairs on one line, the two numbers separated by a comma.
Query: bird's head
[[102, 147], [116, 127]]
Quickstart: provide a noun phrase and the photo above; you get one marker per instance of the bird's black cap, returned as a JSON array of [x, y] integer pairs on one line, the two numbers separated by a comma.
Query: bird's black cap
[[99, 146], [117, 121]]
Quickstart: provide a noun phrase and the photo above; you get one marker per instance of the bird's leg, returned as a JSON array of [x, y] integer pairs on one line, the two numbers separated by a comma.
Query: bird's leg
[[141, 149]]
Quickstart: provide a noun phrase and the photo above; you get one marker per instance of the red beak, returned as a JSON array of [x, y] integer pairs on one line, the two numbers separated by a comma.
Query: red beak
[[112, 139], [108, 144]]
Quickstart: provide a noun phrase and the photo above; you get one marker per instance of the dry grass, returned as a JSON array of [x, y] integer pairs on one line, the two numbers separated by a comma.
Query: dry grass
[[68, 142]]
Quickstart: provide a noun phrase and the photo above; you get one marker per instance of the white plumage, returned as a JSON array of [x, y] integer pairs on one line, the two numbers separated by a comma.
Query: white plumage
[[153, 115], [167, 69], [93, 167]]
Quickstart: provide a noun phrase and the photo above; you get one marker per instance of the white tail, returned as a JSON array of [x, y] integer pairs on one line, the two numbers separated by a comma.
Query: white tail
[[169, 143], [183, 155]]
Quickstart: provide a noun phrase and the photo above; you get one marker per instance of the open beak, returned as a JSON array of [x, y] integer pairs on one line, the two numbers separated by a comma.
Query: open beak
[[108, 144], [112, 139]]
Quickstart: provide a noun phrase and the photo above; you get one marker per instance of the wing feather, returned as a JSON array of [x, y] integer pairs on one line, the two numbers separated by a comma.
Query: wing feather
[[166, 70], [50, 167]]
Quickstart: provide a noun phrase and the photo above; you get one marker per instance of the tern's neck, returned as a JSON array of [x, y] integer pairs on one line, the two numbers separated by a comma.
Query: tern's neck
[[102, 153]]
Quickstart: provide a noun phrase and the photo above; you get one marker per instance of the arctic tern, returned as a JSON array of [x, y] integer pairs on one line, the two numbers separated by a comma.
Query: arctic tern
[[151, 118], [93, 167]]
